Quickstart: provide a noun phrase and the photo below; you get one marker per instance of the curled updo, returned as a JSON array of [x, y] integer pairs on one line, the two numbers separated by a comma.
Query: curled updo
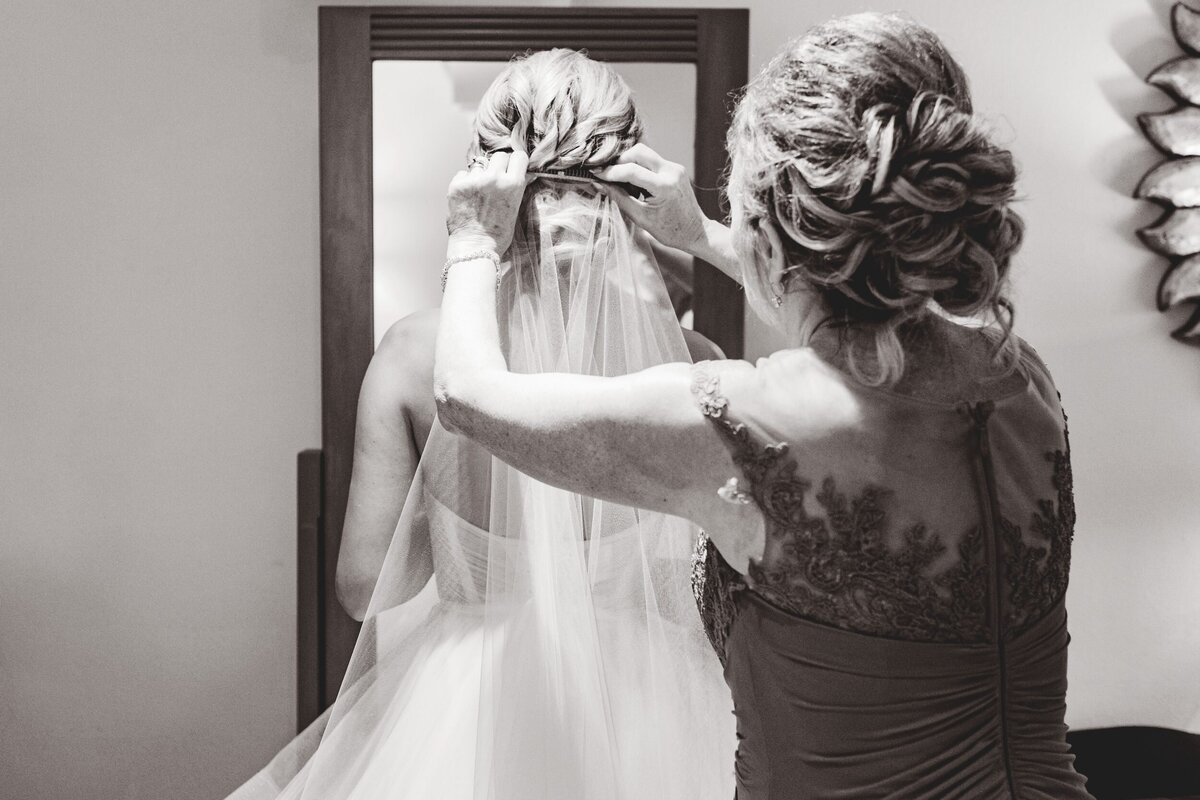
[[857, 147], [572, 111]]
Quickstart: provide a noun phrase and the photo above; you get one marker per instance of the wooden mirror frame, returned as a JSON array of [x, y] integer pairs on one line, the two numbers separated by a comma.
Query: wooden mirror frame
[[350, 40]]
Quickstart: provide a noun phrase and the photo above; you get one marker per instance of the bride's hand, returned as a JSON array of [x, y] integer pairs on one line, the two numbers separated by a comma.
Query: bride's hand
[[484, 200], [670, 214]]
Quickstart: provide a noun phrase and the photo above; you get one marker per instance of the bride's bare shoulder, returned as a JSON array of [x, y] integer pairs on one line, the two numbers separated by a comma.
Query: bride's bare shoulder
[[410, 339], [400, 375]]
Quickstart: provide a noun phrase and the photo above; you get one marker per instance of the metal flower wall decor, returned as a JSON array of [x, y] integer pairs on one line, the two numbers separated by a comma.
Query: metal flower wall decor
[[1175, 183]]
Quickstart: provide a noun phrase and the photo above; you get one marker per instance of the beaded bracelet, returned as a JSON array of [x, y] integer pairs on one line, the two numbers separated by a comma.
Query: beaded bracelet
[[491, 255]]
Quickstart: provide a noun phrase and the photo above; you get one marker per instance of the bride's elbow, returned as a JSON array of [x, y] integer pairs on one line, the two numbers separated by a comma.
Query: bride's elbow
[[353, 591]]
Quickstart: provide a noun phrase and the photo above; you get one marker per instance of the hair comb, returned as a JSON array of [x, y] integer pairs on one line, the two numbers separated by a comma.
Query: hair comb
[[584, 175]]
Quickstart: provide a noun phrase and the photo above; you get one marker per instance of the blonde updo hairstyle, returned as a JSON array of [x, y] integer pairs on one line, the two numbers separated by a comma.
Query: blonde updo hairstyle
[[570, 111], [857, 153]]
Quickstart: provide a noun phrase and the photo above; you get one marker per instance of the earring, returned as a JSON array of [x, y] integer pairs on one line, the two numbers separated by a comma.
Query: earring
[[776, 300]]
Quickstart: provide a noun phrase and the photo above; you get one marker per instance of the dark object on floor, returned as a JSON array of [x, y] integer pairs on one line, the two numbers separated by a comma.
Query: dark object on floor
[[1136, 763]]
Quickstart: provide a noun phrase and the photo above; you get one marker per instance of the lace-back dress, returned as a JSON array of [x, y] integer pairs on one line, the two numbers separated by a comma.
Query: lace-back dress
[[904, 633]]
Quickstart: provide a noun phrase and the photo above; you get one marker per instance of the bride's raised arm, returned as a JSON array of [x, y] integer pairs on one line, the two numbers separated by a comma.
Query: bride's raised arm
[[638, 439]]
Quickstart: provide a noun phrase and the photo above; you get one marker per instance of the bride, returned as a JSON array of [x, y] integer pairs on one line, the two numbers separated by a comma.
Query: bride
[[556, 652]]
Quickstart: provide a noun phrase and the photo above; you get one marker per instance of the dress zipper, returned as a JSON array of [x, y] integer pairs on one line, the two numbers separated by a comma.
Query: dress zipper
[[980, 412]]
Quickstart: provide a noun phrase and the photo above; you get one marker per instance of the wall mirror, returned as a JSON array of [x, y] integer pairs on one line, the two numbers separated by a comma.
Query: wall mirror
[[398, 88], [421, 121]]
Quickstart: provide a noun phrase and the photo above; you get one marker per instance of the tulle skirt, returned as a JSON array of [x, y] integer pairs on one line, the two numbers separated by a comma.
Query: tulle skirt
[[473, 717]]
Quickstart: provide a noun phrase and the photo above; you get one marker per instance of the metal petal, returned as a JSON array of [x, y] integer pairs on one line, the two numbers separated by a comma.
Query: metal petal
[[1176, 182], [1177, 235], [1181, 283], [1176, 132]]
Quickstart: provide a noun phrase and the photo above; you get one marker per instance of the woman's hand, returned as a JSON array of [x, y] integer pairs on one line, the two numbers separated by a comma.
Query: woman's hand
[[483, 201], [670, 214]]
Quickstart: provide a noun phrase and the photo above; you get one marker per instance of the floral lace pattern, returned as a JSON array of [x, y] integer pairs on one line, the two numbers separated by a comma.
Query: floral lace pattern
[[1037, 573], [838, 568], [715, 584]]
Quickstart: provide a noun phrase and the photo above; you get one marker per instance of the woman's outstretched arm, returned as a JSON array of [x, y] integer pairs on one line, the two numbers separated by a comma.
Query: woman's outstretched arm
[[638, 439]]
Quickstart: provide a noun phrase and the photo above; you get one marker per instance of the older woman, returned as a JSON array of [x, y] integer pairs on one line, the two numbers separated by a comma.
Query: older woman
[[888, 501]]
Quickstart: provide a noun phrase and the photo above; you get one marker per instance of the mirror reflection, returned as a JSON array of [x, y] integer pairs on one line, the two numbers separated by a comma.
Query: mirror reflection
[[422, 113]]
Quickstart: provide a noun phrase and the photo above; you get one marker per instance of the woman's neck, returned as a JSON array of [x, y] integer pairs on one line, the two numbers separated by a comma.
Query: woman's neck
[[943, 360]]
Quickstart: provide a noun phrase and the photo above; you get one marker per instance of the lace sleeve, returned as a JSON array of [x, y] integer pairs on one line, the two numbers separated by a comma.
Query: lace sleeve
[[750, 457], [715, 583]]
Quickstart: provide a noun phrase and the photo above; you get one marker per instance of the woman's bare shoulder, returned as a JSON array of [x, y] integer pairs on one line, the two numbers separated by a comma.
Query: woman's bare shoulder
[[792, 391], [1039, 374]]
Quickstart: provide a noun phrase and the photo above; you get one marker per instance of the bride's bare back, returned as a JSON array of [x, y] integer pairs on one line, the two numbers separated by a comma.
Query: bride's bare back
[[396, 411]]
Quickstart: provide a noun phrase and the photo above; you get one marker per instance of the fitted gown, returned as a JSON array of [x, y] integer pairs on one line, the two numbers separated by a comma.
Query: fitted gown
[[904, 633]]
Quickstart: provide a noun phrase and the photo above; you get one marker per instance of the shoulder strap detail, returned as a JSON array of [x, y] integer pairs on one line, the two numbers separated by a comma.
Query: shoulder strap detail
[[753, 458]]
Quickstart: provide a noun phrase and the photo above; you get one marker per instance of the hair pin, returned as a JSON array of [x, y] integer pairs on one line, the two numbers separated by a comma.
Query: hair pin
[[567, 173], [583, 175]]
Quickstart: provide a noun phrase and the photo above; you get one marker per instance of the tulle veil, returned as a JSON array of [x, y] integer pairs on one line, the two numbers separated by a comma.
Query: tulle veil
[[556, 652]]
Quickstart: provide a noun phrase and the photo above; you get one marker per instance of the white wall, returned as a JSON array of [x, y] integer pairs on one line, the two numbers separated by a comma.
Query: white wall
[[160, 361]]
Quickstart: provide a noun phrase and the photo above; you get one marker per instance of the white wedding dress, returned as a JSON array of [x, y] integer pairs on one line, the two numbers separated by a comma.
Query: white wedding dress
[[557, 652]]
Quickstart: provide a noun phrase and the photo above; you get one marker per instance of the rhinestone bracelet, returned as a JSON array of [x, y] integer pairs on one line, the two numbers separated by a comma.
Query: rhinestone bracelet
[[491, 255]]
